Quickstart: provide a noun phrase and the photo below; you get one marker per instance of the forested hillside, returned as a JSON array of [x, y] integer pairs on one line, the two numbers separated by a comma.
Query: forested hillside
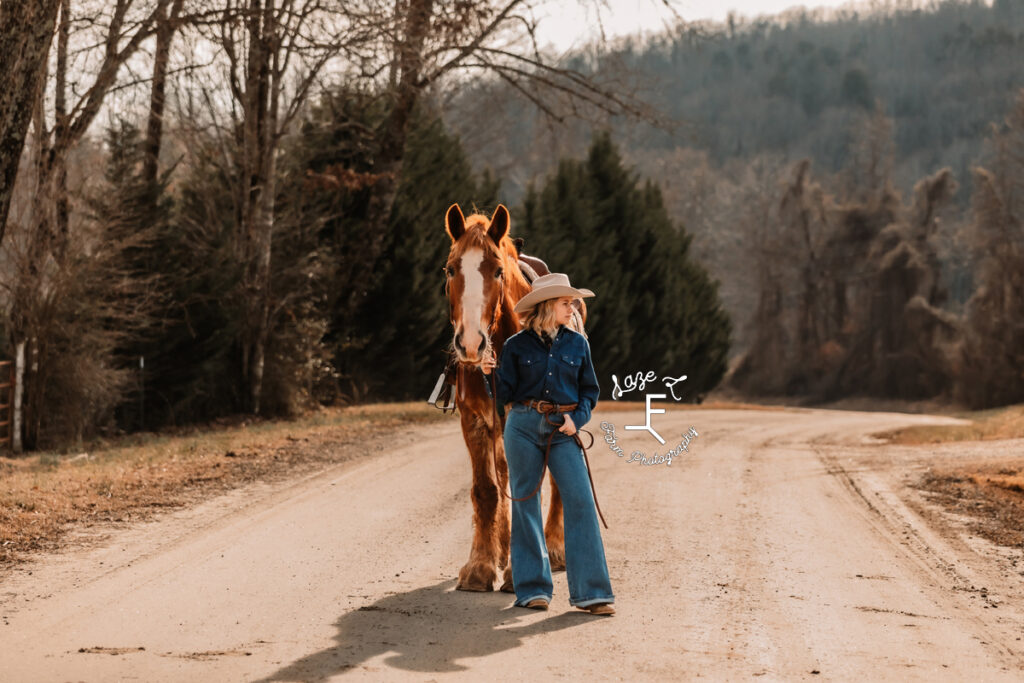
[[875, 103], [793, 86]]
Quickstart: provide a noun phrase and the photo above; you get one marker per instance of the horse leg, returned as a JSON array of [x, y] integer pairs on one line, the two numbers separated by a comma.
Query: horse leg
[[504, 517], [479, 573], [554, 531]]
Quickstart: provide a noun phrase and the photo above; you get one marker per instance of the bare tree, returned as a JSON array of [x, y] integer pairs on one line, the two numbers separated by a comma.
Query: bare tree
[[275, 52], [872, 153], [428, 42], [102, 38], [26, 31], [867, 314], [902, 338], [991, 368], [167, 25], [121, 33]]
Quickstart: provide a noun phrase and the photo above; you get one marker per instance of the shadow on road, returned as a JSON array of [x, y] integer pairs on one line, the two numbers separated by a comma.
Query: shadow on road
[[429, 629]]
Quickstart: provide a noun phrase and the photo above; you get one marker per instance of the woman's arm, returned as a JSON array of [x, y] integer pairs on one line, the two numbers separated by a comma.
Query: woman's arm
[[588, 388], [508, 378]]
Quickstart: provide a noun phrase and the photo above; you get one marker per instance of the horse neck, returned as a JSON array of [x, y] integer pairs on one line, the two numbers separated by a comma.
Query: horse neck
[[506, 325], [516, 287]]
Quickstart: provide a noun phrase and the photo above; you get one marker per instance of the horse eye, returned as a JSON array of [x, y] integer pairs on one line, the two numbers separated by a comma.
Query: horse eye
[[449, 271], [497, 274]]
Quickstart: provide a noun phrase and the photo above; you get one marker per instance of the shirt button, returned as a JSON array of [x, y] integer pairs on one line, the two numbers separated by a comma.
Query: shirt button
[[549, 373]]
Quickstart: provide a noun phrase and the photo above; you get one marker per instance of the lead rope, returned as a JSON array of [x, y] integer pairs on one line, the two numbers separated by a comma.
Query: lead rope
[[493, 391]]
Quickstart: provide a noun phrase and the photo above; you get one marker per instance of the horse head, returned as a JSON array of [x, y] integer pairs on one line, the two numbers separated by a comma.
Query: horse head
[[483, 282]]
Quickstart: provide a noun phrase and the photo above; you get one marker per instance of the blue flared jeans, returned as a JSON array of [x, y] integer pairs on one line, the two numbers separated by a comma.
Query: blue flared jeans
[[526, 435]]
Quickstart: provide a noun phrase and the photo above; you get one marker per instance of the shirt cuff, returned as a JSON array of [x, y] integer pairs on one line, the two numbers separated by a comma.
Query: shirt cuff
[[581, 414]]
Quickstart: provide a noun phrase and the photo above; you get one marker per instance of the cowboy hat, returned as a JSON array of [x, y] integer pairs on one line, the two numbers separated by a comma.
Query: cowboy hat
[[550, 286]]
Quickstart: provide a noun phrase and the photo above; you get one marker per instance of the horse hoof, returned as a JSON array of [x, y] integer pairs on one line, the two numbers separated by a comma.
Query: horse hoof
[[476, 577], [507, 586], [475, 589], [556, 557]]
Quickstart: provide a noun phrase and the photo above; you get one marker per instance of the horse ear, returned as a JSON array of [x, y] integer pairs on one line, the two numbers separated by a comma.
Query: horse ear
[[499, 224], [454, 222]]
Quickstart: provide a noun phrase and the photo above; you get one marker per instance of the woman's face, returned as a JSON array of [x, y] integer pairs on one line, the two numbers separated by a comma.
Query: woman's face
[[563, 310]]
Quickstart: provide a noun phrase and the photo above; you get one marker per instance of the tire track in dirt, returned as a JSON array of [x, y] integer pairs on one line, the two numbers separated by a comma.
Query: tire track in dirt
[[931, 555]]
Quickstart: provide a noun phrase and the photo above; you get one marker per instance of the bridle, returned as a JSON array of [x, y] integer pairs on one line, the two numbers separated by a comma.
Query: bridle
[[490, 325]]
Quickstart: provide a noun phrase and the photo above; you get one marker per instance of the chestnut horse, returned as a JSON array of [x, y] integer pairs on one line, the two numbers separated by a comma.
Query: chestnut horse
[[485, 279]]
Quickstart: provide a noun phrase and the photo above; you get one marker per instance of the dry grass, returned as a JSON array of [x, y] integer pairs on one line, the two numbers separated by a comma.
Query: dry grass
[[42, 496], [998, 423], [989, 492], [991, 495]]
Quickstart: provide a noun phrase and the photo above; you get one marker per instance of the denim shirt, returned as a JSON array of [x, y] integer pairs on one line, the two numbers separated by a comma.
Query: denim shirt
[[562, 374]]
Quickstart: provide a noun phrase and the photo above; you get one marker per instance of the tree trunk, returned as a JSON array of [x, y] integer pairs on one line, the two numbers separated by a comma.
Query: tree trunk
[[154, 126], [261, 302], [59, 161], [259, 166], [394, 130], [26, 30]]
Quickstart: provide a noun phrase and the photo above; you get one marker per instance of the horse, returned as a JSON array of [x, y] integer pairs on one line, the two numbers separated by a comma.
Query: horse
[[485, 277]]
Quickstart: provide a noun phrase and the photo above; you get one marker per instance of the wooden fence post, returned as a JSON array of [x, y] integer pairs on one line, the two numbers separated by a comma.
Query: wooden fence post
[[6, 402], [19, 394]]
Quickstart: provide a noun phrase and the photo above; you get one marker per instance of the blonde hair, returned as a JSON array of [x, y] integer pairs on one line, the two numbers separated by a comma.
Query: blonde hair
[[541, 318]]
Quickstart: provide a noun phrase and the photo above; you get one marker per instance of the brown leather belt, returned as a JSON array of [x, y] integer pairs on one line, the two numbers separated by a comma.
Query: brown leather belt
[[545, 408]]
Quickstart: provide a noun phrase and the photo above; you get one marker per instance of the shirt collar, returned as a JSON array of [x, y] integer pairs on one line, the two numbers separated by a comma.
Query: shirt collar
[[536, 336]]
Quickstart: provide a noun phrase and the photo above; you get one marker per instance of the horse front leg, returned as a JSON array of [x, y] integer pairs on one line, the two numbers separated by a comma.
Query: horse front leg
[[504, 516], [554, 529], [480, 571]]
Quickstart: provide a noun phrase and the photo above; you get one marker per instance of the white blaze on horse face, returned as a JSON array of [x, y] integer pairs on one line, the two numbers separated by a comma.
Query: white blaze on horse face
[[472, 301]]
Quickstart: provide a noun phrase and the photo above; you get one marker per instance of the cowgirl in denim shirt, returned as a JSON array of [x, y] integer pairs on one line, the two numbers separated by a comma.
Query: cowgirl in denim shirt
[[549, 361]]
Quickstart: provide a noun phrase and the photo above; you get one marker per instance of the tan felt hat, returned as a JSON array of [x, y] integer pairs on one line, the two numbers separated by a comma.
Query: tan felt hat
[[550, 286]]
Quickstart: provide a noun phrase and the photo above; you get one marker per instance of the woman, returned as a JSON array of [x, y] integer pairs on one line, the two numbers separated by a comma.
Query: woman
[[548, 363]]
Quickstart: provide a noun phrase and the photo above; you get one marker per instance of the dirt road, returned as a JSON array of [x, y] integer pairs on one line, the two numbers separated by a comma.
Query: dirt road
[[784, 544]]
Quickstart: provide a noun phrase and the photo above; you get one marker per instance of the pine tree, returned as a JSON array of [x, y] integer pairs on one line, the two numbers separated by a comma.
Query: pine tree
[[389, 327], [191, 367], [134, 214], [655, 309], [407, 310]]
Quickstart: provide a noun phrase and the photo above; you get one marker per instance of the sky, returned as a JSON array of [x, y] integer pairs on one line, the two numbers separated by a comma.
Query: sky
[[568, 23]]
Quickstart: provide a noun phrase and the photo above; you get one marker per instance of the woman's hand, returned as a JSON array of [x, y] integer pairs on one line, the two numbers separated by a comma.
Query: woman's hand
[[488, 364], [568, 427]]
